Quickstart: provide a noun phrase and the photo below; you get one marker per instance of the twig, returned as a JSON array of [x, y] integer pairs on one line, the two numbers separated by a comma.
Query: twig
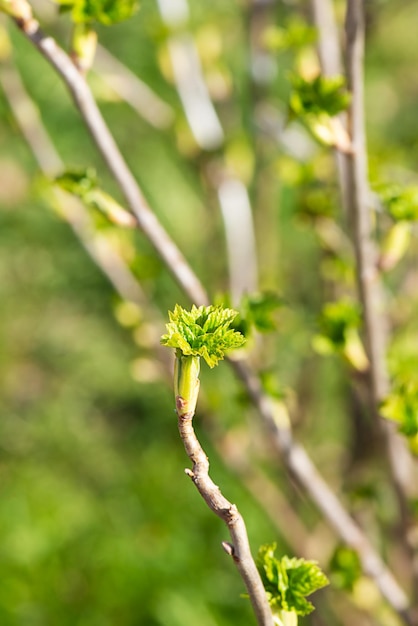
[[329, 52], [300, 465], [368, 278], [112, 156], [208, 133], [292, 453], [132, 89], [239, 550]]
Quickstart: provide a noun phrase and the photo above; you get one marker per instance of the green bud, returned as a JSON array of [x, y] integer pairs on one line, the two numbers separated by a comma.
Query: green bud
[[395, 245], [186, 383], [83, 44]]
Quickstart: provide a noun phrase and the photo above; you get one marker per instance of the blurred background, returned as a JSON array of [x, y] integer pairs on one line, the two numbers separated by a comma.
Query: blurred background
[[98, 524]]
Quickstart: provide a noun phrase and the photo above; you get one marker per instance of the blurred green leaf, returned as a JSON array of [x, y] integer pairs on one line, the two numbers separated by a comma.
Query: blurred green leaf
[[345, 567], [319, 95], [316, 103], [296, 34], [104, 11], [85, 185], [401, 406], [338, 333], [260, 310], [401, 202]]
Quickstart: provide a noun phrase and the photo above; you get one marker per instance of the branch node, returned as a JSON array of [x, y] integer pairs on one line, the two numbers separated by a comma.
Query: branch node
[[189, 473]]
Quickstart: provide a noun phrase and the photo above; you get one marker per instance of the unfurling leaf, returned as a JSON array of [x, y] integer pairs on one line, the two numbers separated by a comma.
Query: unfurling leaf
[[84, 184], [203, 331], [287, 581], [316, 103]]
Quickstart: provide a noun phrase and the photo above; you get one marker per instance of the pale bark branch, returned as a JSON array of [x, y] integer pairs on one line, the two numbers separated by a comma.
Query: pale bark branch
[[353, 181], [300, 465], [368, 277], [132, 89], [294, 456], [112, 156], [239, 550]]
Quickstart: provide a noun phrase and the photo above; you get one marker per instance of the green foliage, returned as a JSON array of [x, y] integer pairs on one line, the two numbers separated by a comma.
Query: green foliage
[[338, 332], [288, 581], [85, 185], [257, 311], [401, 202], [106, 12], [203, 331], [297, 34], [345, 567], [320, 95], [316, 102], [401, 406], [260, 311]]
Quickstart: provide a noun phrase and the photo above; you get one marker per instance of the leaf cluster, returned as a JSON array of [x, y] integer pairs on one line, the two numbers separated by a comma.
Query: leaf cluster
[[85, 185], [204, 331], [401, 406], [106, 12], [339, 333], [297, 34], [257, 311], [288, 580], [337, 320], [319, 95], [345, 567], [401, 202]]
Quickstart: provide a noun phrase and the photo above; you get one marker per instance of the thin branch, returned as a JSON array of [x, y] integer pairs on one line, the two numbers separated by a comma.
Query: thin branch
[[208, 133], [294, 455], [132, 89], [228, 512], [329, 52], [300, 465], [368, 277], [112, 156]]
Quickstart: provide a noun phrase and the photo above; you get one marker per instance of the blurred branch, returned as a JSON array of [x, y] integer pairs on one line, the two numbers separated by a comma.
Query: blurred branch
[[239, 550], [368, 278], [301, 467], [112, 156], [198, 108], [329, 52], [97, 246], [207, 131], [295, 457], [132, 89]]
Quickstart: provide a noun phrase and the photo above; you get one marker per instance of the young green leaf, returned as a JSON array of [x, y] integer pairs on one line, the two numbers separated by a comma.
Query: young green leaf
[[316, 103], [401, 202], [204, 331], [104, 11], [85, 185], [401, 406], [338, 333], [320, 95], [288, 581], [345, 567]]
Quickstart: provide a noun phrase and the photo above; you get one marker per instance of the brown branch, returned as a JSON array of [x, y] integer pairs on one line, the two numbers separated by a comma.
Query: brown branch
[[239, 550], [293, 454]]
